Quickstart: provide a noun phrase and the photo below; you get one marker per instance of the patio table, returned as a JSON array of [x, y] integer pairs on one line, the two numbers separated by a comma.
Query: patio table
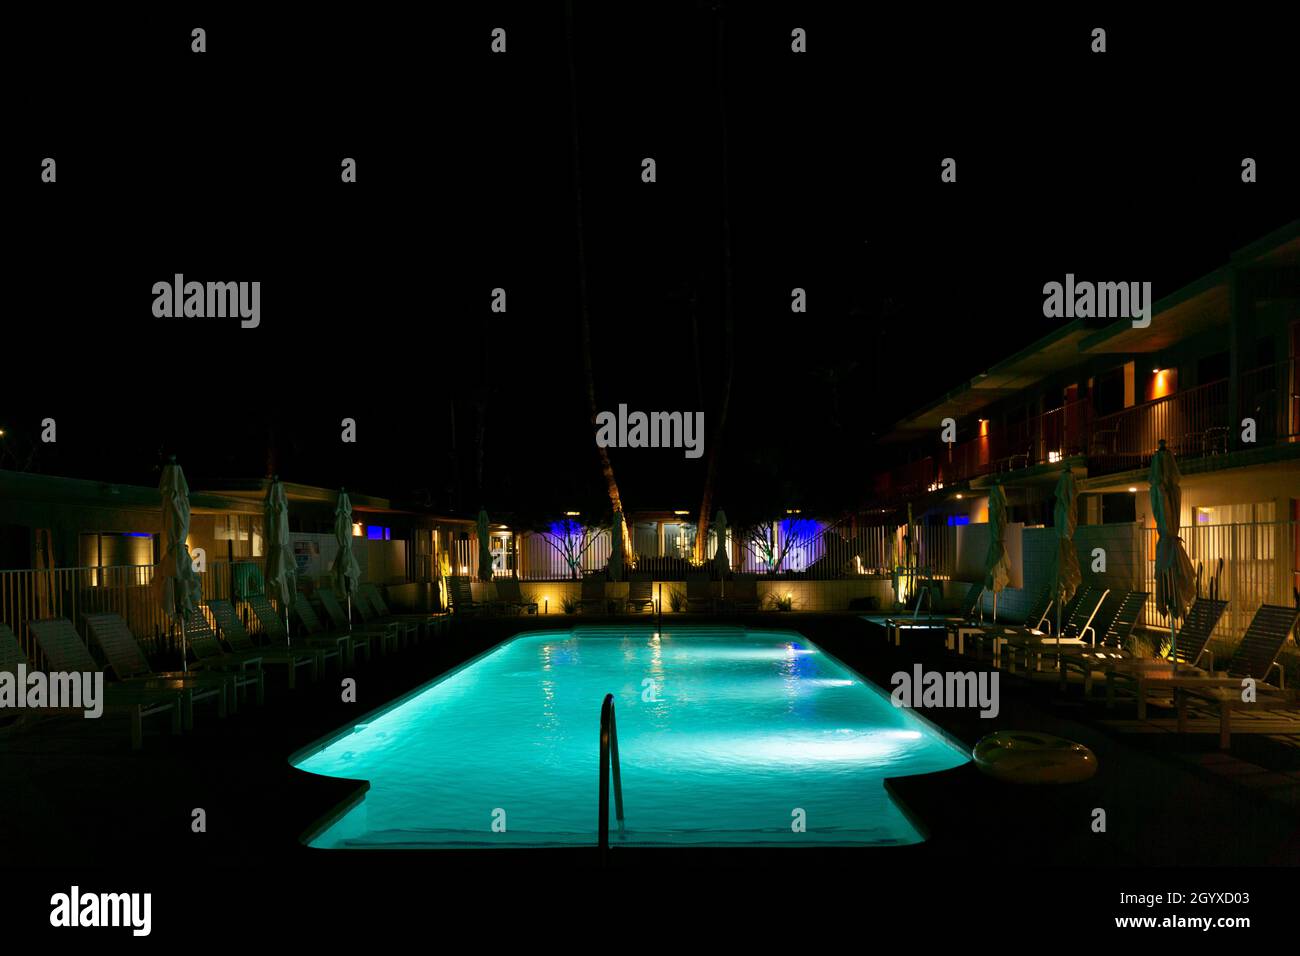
[[1151, 674], [1225, 694]]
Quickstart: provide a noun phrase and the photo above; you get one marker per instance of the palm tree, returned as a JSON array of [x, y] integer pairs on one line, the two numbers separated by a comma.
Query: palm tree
[[606, 466], [728, 318]]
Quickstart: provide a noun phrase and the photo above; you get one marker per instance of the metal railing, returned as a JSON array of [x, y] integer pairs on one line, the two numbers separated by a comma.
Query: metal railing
[[608, 764], [1194, 422], [1271, 396], [1260, 565], [30, 594]]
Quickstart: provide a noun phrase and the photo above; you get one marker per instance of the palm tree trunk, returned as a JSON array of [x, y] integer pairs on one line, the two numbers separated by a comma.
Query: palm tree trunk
[[728, 319], [606, 466]]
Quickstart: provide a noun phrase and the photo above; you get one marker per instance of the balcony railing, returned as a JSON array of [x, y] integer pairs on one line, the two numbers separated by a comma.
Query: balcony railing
[[1194, 423]]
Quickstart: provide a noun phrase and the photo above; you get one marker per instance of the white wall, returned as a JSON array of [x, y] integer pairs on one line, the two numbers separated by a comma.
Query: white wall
[[381, 562]]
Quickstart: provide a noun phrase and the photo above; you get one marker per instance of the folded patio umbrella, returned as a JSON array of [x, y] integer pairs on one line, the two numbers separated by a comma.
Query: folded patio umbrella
[[344, 571], [616, 548], [1175, 577], [176, 584], [484, 548], [720, 555], [281, 571], [997, 567], [1068, 575]]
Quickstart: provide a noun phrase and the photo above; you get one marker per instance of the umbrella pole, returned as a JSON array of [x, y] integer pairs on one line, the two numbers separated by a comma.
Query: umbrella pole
[[1058, 621], [1173, 620], [288, 638]]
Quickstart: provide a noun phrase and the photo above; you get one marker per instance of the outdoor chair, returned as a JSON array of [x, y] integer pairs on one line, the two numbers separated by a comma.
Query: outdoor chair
[[232, 630], [1037, 621], [640, 593], [968, 610], [407, 631], [699, 593], [462, 597], [509, 595], [274, 628], [127, 662], [318, 636], [431, 621], [1138, 678], [1273, 709], [593, 593], [742, 593], [386, 637], [1113, 644], [63, 651], [1077, 630]]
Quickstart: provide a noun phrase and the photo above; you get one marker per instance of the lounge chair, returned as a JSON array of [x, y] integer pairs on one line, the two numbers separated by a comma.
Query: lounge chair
[[232, 629], [63, 651], [388, 637], [640, 593], [431, 622], [245, 666], [509, 596], [742, 594], [273, 626], [1113, 644], [593, 593], [967, 611], [699, 591], [318, 636], [462, 597], [1077, 630], [1254, 658], [1140, 677], [1257, 654], [126, 660], [11, 655], [1036, 622], [408, 631]]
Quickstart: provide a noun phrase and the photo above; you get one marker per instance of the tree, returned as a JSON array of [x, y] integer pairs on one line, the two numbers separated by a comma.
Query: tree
[[728, 319], [606, 466], [571, 541]]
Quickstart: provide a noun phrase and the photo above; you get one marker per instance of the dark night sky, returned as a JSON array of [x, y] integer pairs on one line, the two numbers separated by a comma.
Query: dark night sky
[[375, 297]]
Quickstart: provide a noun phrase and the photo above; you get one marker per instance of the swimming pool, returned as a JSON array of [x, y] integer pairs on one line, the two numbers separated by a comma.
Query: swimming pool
[[725, 735]]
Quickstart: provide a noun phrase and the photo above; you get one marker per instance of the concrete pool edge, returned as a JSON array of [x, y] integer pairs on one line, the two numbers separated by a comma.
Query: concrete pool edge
[[340, 809]]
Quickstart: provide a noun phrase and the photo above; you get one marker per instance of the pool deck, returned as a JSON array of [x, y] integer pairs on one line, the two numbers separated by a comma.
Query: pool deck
[[70, 795]]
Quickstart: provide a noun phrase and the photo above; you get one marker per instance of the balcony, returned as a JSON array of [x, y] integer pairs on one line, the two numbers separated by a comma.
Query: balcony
[[1195, 423]]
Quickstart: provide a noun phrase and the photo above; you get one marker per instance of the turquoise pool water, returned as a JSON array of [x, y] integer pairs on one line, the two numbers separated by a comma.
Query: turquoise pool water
[[724, 734]]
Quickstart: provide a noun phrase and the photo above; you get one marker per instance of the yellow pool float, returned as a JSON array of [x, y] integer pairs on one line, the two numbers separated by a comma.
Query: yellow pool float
[[1025, 756]]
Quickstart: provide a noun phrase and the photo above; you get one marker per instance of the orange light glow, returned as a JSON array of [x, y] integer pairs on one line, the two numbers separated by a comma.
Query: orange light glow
[[1164, 382]]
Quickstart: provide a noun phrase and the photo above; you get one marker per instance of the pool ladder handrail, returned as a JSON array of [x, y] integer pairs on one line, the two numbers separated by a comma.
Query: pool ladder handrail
[[608, 757]]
